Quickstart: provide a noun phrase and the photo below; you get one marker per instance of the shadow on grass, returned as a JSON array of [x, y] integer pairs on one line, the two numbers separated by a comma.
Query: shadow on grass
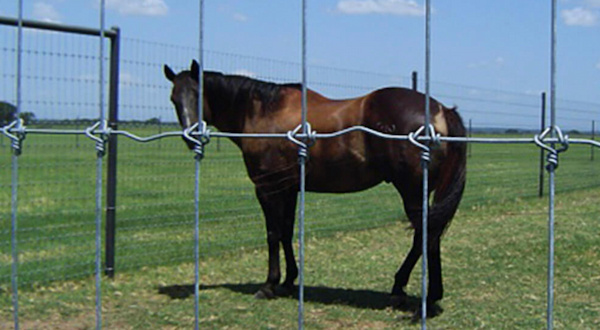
[[366, 299]]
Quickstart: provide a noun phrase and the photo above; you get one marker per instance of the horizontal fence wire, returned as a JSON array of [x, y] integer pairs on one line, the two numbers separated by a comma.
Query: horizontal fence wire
[[141, 232]]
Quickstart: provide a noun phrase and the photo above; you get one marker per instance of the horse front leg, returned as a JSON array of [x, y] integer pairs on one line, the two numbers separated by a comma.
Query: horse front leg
[[291, 270], [277, 207]]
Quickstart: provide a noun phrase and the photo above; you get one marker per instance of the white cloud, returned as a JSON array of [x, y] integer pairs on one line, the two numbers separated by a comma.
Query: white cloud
[[45, 12], [127, 79], [579, 16], [240, 17], [497, 62], [393, 7], [138, 7]]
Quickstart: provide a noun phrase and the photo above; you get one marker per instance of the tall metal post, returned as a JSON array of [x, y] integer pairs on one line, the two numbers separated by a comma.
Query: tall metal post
[[593, 138], [414, 80], [15, 175], [111, 177], [542, 151], [551, 170], [100, 155], [470, 134], [302, 159], [425, 166], [198, 159]]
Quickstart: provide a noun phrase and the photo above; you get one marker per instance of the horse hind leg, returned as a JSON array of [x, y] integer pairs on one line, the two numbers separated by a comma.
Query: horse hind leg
[[398, 296], [413, 207], [435, 292]]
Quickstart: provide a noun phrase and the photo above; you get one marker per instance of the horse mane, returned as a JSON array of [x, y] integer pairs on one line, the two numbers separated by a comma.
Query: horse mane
[[226, 91]]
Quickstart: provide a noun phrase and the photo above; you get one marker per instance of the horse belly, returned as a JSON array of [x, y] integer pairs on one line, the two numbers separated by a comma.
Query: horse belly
[[342, 165], [341, 178]]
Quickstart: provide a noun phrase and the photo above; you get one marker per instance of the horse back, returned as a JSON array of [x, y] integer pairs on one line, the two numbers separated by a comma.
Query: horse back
[[351, 162]]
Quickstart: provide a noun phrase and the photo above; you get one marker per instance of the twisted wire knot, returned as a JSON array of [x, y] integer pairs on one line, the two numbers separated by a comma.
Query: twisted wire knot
[[425, 150], [16, 139], [552, 157], [307, 141], [201, 130], [102, 139], [426, 156]]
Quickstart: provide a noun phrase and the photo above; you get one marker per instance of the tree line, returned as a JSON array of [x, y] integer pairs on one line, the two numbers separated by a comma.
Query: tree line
[[8, 114]]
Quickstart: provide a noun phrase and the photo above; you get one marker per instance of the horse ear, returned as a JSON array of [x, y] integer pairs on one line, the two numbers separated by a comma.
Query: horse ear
[[168, 72], [195, 69]]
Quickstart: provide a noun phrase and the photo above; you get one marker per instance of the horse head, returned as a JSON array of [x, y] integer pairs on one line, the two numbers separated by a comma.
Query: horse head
[[184, 94]]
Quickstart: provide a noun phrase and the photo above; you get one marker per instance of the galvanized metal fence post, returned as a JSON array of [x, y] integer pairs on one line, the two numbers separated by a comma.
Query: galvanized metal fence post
[[414, 80], [302, 157], [425, 166], [470, 135], [99, 163], [16, 145], [551, 170], [198, 158], [593, 138]]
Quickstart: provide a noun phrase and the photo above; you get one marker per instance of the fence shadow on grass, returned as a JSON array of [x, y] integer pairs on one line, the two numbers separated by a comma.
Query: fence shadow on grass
[[366, 299]]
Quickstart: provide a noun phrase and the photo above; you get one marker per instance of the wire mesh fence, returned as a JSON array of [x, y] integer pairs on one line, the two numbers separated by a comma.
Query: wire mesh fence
[[155, 181], [154, 203]]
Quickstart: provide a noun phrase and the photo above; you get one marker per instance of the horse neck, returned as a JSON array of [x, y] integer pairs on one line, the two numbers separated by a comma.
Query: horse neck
[[228, 107]]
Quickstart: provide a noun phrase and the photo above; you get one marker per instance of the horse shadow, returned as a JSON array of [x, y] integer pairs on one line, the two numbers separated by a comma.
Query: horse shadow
[[365, 299]]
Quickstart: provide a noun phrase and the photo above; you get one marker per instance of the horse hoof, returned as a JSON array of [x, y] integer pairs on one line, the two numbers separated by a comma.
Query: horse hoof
[[284, 290], [433, 310], [398, 300], [264, 294]]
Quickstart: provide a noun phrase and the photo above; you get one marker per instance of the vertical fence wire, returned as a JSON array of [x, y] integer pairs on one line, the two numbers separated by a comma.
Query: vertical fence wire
[[198, 159], [15, 173], [551, 170], [302, 160], [99, 161], [425, 165]]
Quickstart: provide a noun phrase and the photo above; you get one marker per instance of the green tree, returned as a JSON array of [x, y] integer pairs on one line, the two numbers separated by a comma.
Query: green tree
[[153, 121], [7, 113]]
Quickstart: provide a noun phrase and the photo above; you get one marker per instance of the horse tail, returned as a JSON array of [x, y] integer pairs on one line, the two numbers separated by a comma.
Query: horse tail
[[451, 180]]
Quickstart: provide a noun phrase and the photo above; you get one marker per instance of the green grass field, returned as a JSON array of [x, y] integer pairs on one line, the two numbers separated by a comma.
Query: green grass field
[[494, 253]]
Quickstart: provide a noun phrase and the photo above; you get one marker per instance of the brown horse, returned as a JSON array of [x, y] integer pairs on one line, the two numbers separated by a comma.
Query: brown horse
[[349, 163]]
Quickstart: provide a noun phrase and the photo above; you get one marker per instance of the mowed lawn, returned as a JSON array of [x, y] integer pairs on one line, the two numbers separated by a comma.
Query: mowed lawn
[[494, 253]]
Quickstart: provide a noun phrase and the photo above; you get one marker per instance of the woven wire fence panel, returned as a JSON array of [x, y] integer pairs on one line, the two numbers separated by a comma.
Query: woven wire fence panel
[[56, 175], [155, 180]]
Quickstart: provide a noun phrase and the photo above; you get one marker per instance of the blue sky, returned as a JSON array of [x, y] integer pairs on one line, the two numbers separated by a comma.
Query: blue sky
[[500, 45]]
